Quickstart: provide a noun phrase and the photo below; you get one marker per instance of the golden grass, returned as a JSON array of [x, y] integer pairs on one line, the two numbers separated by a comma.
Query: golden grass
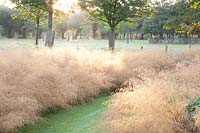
[[197, 122], [33, 80], [155, 86], [155, 101]]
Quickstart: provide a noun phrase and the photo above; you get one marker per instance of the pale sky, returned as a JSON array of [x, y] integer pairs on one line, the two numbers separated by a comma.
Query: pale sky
[[61, 4], [6, 3], [65, 5]]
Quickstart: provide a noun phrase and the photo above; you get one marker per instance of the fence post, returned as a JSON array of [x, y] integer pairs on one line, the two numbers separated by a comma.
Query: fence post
[[142, 48], [166, 49], [112, 50], [190, 46]]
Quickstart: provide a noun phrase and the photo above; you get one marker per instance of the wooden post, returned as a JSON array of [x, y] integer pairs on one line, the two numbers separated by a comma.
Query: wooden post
[[112, 50], [166, 49], [190, 46], [142, 48]]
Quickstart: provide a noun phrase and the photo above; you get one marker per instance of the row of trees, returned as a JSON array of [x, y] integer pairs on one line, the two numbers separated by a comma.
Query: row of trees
[[109, 16], [111, 12], [36, 10], [8, 25], [180, 18]]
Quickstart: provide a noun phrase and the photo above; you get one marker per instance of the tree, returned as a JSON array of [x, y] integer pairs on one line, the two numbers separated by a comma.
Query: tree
[[91, 23], [194, 3], [25, 11], [46, 5], [61, 23], [195, 27], [126, 28], [179, 18], [112, 12], [76, 21], [6, 21], [94, 29], [9, 26], [184, 19], [104, 29], [155, 25]]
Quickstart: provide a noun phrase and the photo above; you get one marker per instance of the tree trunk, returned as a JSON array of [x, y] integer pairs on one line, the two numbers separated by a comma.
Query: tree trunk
[[131, 36], [94, 28], [112, 39], [63, 30], [88, 33], [10, 32], [161, 36], [151, 35], [24, 32], [63, 34], [142, 36], [50, 34], [37, 30], [94, 34], [120, 37], [80, 34], [124, 36], [78, 31], [127, 38], [68, 37], [102, 35]]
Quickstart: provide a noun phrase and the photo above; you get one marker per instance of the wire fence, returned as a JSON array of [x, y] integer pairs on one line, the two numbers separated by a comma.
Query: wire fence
[[175, 41]]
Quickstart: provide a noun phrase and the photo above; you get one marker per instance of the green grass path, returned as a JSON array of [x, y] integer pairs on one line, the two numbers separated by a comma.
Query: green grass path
[[84, 118]]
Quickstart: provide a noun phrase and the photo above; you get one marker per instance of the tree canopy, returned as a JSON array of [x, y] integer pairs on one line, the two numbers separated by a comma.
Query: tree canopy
[[113, 12]]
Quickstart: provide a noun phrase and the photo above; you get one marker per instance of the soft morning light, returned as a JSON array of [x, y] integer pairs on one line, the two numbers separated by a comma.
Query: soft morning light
[[6, 3], [63, 5], [66, 5]]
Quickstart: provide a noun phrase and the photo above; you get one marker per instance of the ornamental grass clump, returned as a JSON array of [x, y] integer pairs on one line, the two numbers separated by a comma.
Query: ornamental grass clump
[[31, 81]]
